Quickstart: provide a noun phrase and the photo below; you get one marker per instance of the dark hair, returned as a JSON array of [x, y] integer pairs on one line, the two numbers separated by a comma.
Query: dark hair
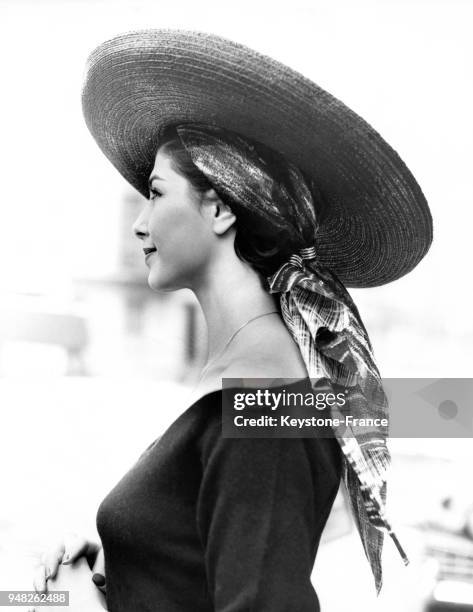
[[261, 244]]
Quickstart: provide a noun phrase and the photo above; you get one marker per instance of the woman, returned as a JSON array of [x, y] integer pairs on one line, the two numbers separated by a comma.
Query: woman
[[266, 196]]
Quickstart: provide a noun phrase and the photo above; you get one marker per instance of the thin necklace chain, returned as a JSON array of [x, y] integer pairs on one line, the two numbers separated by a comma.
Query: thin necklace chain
[[232, 337]]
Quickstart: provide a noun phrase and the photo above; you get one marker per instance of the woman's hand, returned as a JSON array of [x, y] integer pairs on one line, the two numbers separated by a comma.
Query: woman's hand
[[76, 579], [67, 552]]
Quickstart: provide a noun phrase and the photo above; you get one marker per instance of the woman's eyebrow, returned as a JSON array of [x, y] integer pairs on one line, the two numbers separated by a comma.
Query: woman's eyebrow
[[154, 177]]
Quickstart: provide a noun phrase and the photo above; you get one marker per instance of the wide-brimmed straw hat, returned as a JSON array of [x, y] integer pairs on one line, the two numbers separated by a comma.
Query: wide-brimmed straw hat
[[376, 225]]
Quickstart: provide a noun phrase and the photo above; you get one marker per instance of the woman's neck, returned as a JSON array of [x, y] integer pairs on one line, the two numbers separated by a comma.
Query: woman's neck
[[230, 296]]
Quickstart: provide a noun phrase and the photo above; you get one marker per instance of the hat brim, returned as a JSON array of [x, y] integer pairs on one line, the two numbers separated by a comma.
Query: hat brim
[[376, 225]]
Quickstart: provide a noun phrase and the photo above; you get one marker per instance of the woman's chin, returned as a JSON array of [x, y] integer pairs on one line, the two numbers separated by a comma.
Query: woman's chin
[[159, 287], [158, 283]]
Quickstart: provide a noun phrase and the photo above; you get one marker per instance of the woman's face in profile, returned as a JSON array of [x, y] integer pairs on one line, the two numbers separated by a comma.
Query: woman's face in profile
[[176, 237]]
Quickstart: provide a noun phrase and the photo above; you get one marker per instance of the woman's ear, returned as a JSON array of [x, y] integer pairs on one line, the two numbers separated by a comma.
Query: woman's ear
[[219, 214]]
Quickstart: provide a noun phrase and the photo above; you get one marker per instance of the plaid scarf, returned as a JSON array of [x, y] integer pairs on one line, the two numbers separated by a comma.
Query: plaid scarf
[[334, 344], [318, 311]]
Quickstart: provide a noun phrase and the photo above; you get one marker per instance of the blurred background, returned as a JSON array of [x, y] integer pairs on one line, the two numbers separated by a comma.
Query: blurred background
[[94, 365]]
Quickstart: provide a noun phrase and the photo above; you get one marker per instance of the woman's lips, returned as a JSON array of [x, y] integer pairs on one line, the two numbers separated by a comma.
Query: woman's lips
[[148, 252]]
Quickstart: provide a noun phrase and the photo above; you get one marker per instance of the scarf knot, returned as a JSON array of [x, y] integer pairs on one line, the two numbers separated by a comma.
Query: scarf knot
[[303, 270]]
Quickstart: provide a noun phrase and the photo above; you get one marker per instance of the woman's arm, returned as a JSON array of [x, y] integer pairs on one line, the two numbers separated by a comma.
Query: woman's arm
[[261, 511]]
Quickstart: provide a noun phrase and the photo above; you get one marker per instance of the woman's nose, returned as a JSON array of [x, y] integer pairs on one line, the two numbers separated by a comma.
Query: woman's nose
[[140, 226]]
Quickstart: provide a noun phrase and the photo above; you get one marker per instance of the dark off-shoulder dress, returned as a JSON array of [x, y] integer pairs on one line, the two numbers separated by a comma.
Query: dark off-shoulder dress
[[203, 523]]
